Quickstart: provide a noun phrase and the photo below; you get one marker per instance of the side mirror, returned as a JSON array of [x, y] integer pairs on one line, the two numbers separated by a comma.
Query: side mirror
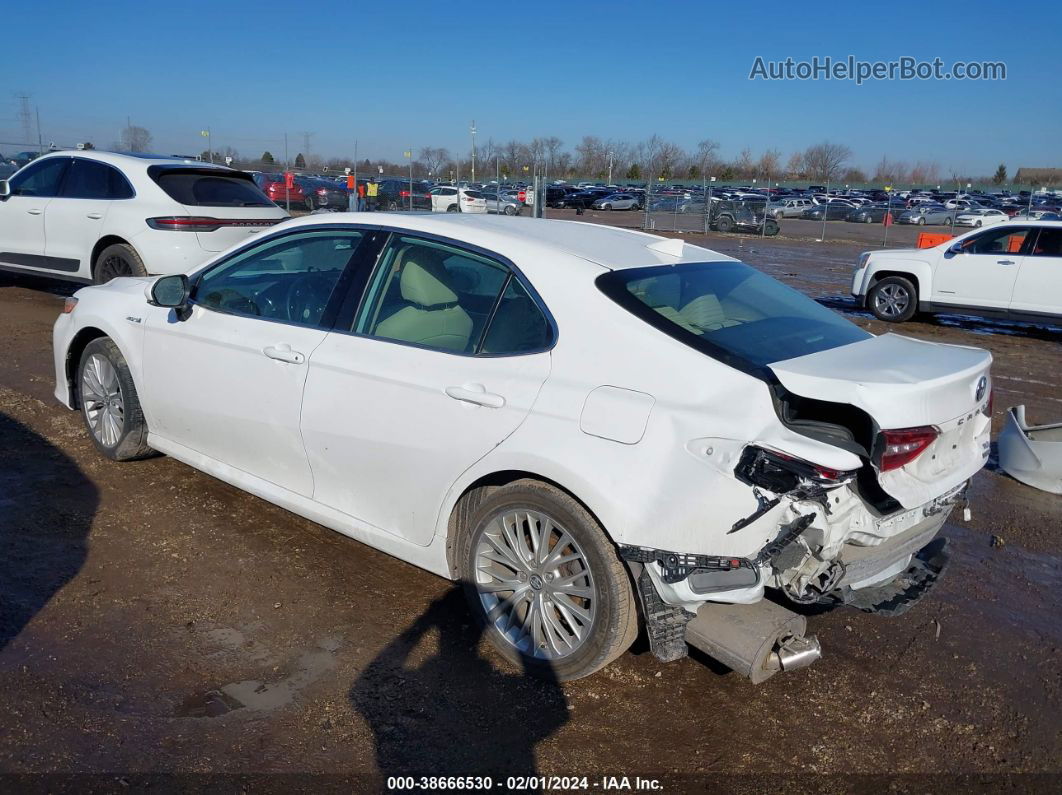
[[5, 188], [956, 248], [170, 291]]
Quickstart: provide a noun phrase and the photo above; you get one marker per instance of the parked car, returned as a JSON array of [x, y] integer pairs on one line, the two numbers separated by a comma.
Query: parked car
[[486, 421], [834, 211], [7, 167], [324, 194], [980, 217], [927, 214], [276, 188], [728, 215], [397, 194], [874, 213], [91, 216], [618, 201], [583, 199], [449, 199], [1011, 270], [501, 202], [789, 207]]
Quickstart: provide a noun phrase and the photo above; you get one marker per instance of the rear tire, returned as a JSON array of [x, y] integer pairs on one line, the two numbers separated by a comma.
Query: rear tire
[[510, 210], [118, 260], [110, 406], [724, 224], [559, 621], [894, 299], [453, 208]]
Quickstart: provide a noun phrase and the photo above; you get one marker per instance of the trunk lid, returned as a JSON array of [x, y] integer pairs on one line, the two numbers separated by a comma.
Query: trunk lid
[[906, 383], [237, 224]]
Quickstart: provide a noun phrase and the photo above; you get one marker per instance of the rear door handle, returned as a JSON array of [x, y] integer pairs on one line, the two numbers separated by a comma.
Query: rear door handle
[[34, 211], [94, 216], [477, 394], [1005, 262], [282, 352]]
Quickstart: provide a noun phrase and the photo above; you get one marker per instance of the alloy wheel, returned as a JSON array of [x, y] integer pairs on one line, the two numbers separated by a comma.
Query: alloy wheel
[[892, 300], [112, 268], [535, 584], [101, 395]]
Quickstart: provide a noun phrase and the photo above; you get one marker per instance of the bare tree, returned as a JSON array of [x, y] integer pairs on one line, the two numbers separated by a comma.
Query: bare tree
[[795, 166], [826, 160], [552, 146], [708, 155], [511, 155], [743, 166], [434, 158], [768, 166], [135, 139]]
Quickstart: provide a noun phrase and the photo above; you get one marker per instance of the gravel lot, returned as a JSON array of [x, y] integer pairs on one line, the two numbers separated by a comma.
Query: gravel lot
[[156, 620]]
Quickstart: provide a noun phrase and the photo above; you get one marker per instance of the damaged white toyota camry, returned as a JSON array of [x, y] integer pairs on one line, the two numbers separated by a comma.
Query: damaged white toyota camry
[[584, 425]]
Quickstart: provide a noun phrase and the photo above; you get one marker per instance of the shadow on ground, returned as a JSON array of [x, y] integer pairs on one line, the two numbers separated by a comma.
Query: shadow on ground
[[436, 707], [46, 510]]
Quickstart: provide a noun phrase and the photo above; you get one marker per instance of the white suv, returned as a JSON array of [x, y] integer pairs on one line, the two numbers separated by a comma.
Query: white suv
[[1012, 270], [91, 216]]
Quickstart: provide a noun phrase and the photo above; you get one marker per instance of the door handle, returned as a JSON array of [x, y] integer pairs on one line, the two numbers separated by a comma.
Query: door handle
[[1005, 262], [94, 216], [34, 211], [283, 353], [477, 394]]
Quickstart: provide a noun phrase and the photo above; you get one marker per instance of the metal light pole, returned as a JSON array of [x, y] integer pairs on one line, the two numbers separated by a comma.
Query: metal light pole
[[887, 220], [610, 156], [357, 196], [708, 205], [825, 210], [473, 131], [409, 156]]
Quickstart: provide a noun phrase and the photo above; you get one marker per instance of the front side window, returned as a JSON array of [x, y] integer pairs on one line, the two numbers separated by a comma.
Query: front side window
[[1007, 240], [90, 179], [41, 178], [447, 298], [730, 311], [290, 279]]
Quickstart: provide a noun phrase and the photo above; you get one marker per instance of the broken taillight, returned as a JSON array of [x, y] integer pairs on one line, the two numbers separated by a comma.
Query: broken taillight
[[904, 445], [69, 305]]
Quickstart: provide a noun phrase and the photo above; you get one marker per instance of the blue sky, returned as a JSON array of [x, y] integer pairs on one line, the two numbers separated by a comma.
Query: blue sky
[[394, 75]]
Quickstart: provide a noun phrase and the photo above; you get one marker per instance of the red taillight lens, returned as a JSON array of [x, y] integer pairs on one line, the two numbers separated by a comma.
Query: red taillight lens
[[184, 223], [193, 223], [322, 191], [404, 194], [904, 445]]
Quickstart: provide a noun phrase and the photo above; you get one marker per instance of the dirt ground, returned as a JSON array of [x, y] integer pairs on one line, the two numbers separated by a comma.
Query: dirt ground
[[154, 620]]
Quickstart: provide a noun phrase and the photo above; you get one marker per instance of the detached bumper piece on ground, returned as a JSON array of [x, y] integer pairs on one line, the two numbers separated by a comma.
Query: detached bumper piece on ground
[[1031, 453]]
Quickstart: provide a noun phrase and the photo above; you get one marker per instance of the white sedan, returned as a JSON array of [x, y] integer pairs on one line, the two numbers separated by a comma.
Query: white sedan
[[980, 217], [580, 423]]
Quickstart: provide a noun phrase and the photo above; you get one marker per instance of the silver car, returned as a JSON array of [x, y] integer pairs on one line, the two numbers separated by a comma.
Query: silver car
[[789, 208], [928, 214], [618, 201], [503, 204]]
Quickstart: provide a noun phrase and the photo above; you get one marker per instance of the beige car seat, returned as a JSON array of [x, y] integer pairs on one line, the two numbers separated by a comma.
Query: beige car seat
[[435, 318]]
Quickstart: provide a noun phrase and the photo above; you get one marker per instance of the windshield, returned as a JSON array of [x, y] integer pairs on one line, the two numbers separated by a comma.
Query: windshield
[[730, 311]]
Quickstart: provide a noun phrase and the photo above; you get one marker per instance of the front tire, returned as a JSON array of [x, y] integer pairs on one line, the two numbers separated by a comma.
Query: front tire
[[724, 224], [510, 210], [118, 260], [894, 299], [109, 402], [544, 582], [453, 208]]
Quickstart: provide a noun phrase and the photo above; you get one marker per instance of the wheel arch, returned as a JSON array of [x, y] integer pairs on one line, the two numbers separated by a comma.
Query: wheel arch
[[463, 504], [73, 356], [101, 244]]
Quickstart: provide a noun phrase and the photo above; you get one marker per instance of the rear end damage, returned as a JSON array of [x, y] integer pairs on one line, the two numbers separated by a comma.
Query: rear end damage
[[864, 537]]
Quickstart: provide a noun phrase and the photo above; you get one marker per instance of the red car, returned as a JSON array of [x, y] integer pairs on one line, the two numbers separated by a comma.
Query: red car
[[272, 185]]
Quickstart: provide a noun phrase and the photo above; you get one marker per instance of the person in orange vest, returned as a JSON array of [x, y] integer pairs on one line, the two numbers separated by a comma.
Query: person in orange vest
[[361, 196]]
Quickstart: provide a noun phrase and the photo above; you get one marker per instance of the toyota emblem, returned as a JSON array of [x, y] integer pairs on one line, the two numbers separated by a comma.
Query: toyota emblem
[[982, 387]]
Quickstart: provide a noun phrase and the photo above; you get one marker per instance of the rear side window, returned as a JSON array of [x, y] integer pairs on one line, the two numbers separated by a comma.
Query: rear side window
[[209, 188], [89, 179]]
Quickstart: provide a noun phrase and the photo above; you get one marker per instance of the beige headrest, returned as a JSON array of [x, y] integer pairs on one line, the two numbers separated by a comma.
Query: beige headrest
[[424, 278]]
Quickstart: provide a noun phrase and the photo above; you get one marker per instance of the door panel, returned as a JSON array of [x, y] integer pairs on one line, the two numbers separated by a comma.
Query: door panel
[[1039, 285], [71, 229], [228, 380], [984, 273], [22, 240], [388, 427], [444, 361]]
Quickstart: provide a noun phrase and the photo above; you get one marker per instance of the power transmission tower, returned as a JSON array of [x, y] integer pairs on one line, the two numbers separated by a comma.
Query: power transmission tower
[[306, 136]]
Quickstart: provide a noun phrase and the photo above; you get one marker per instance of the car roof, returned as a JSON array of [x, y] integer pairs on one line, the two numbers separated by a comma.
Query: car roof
[[604, 246], [133, 158]]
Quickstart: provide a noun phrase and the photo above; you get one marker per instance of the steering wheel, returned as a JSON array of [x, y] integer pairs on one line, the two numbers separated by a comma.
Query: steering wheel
[[308, 296]]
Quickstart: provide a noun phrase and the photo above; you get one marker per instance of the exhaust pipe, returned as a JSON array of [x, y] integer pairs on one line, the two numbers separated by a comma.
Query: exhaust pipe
[[756, 640]]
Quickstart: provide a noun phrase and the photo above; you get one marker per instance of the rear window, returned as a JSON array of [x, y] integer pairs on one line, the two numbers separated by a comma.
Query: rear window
[[730, 311], [209, 188]]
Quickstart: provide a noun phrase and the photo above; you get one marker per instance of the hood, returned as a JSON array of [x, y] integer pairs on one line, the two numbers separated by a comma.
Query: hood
[[899, 381]]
